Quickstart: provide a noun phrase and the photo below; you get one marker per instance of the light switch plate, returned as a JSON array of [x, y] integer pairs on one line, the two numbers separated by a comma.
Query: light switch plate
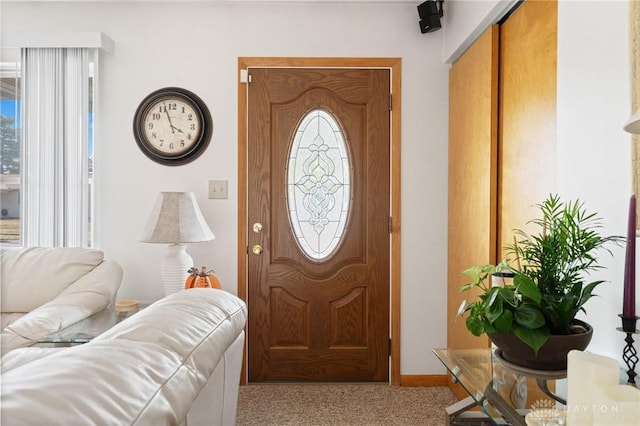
[[218, 189]]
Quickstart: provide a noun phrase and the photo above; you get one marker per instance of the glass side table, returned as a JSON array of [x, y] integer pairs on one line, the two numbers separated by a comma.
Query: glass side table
[[505, 392], [87, 329]]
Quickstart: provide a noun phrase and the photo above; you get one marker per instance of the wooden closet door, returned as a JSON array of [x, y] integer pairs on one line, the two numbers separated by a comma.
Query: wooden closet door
[[495, 183], [473, 103], [527, 144]]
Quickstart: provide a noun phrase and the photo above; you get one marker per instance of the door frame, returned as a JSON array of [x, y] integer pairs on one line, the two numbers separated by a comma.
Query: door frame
[[394, 65]]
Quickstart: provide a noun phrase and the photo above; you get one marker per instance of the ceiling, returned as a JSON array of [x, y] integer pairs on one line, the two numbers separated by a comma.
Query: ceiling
[[413, 2]]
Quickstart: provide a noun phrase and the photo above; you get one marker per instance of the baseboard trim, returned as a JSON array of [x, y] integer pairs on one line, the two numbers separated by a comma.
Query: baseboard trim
[[423, 380]]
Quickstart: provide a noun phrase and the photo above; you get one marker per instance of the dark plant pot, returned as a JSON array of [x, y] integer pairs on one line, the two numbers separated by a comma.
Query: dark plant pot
[[551, 356]]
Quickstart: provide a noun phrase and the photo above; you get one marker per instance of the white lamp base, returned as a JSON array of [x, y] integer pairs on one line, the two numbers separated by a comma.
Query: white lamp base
[[174, 267]]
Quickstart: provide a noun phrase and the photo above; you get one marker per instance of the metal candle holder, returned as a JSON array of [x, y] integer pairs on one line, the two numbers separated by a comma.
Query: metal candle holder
[[629, 353]]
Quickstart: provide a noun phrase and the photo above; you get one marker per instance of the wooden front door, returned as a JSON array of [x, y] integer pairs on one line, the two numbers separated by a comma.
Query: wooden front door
[[318, 217]]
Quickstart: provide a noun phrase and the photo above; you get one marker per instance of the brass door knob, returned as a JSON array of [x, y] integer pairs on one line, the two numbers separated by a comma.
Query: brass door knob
[[257, 249], [257, 227]]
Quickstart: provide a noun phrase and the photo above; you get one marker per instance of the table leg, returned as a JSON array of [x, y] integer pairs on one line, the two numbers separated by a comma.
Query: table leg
[[457, 414], [542, 384], [508, 412]]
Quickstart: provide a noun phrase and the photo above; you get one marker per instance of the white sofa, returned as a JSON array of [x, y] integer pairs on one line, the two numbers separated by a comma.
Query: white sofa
[[47, 289], [176, 362]]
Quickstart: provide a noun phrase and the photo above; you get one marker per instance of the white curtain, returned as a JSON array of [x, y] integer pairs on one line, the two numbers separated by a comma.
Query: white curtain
[[55, 87]]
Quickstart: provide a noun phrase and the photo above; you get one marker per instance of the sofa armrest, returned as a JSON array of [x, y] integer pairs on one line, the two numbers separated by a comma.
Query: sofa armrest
[[146, 370], [90, 294], [217, 402], [96, 291], [22, 356]]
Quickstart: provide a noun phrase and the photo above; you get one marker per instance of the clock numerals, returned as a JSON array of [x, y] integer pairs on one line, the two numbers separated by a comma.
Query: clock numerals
[[172, 106], [172, 126], [171, 146]]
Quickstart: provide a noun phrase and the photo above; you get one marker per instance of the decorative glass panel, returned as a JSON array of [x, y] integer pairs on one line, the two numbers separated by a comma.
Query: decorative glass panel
[[318, 184]]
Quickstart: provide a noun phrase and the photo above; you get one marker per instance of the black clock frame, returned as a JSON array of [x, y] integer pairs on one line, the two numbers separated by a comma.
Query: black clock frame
[[203, 115]]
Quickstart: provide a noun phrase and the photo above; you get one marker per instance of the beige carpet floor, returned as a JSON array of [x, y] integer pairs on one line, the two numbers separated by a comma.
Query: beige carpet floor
[[342, 404]]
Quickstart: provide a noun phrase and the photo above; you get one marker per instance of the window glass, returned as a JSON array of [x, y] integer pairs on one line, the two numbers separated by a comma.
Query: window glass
[[90, 155], [10, 154], [318, 184]]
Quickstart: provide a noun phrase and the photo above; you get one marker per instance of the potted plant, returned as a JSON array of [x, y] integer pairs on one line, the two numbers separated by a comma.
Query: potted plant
[[528, 318]]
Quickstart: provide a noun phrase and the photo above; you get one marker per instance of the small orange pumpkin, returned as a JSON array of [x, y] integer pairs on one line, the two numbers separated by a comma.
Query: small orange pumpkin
[[201, 279]]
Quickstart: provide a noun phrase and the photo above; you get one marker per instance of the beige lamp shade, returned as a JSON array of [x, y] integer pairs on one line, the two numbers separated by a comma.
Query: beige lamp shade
[[176, 218], [633, 125]]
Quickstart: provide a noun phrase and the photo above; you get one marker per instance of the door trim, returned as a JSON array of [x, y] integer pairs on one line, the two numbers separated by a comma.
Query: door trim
[[393, 64]]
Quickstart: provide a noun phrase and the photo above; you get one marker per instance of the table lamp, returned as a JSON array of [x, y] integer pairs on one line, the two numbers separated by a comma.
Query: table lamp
[[176, 219], [633, 125]]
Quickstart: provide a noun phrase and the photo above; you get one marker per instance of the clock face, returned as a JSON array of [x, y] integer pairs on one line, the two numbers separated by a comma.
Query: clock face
[[172, 126]]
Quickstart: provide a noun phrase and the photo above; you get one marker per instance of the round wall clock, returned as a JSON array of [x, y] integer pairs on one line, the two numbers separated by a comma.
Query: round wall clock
[[172, 126]]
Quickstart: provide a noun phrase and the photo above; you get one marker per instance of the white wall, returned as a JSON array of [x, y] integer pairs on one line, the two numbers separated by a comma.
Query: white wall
[[465, 20], [196, 46], [594, 153]]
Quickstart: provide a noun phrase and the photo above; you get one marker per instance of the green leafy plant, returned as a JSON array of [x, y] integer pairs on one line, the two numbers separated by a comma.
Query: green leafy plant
[[550, 284]]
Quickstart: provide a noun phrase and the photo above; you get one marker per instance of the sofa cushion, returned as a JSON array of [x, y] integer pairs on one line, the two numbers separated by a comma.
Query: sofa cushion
[[36, 275], [58, 286], [7, 318], [146, 370], [22, 356]]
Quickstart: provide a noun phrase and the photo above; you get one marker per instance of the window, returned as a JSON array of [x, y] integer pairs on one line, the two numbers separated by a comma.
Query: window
[[47, 195], [10, 126], [318, 183]]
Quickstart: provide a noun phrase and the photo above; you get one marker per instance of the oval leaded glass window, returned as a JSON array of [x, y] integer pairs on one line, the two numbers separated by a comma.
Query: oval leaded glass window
[[318, 184]]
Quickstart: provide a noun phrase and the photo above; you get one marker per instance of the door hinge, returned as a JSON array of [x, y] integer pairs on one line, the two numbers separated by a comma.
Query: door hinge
[[245, 77], [390, 225], [390, 101]]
